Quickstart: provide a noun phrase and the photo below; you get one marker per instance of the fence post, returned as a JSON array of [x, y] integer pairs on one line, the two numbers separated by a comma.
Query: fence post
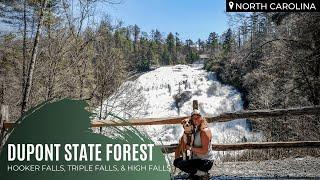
[[195, 105], [4, 113]]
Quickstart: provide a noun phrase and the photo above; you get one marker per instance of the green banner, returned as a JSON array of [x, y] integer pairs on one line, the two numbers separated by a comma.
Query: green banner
[[55, 141]]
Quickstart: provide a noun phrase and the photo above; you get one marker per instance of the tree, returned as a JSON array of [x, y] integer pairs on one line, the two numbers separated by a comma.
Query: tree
[[67, 48], [212, 42], [109, 67], [191, 52], [136, 34], [201, 45], [157, 45], [227, 40], [179, 50], [27, 88], [258, 67], [171, 48], [145, 54]]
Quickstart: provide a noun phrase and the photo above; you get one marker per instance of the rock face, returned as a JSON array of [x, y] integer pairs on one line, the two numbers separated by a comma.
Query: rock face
[[297, 168], [181, 98]]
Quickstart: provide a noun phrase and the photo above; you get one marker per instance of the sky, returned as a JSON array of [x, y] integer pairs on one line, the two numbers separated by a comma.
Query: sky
[[192, 19]]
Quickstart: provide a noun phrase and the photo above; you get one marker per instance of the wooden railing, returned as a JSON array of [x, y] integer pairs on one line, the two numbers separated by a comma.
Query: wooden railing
[[252, 145], [254, 114], [310, 110]]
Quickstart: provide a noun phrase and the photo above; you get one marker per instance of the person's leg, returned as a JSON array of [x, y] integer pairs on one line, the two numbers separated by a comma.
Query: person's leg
[[204, 165], [187, 166]]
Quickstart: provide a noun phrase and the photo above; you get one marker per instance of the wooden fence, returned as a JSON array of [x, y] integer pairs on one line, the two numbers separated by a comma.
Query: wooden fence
[[252, 145], [309, 110], [254, 114]]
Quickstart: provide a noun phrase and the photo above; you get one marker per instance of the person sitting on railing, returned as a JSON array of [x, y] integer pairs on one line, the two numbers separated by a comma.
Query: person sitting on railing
[[202, 154]]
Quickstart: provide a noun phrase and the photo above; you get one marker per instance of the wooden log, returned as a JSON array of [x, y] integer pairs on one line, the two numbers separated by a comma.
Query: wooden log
[[8, 125], [253, 145], [309, 110], [146, 121], [254, 114]]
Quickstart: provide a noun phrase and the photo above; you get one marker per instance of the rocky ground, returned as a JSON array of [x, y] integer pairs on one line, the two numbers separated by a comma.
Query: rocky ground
[[289, 168]]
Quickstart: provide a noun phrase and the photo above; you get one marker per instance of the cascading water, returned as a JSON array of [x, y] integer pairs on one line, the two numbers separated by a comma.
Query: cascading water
[[168, 92]]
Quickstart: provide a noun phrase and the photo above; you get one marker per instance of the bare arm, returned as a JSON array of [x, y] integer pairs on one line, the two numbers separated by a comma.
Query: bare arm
[[205, 141]]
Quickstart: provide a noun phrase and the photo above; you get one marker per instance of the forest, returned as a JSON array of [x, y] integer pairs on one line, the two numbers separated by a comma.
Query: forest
[[53, 53], [273, 59]]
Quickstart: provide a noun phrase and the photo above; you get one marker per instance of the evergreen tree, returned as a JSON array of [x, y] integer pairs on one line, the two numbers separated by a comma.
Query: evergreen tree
[[136, 34], [191, 52], [171, 48], [227, 41], [212, 42]]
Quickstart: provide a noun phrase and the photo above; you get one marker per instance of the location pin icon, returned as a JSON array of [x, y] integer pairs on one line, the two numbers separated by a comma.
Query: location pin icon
[[231, 4]]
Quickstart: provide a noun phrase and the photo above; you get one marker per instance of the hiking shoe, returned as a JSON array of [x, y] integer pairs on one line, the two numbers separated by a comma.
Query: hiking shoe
[[194, 177], [182, 176], [205, 177]]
